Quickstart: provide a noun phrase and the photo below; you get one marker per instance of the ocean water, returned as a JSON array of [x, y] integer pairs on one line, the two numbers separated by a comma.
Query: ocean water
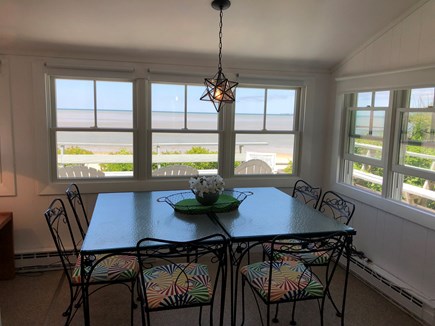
[[109, 142]]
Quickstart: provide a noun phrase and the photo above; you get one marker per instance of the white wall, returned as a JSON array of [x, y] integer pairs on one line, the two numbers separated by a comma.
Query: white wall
[[408, 43], [28, 124], [396, 238]]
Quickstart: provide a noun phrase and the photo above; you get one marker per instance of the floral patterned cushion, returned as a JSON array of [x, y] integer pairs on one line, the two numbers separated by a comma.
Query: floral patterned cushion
[[177, 285], [117, 267], [312, 258], [290, 280]]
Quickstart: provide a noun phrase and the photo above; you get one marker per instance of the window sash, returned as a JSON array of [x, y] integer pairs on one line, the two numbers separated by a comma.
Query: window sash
[[394, 142]]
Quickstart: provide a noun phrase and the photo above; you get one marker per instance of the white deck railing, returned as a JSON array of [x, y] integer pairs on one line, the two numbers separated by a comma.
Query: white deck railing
[[410, 189]]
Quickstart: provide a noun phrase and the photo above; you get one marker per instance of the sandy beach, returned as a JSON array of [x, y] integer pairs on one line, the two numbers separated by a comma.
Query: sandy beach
[[110, 142]]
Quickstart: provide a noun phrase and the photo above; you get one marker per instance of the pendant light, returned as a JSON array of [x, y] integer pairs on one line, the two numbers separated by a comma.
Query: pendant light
[[219, 90]]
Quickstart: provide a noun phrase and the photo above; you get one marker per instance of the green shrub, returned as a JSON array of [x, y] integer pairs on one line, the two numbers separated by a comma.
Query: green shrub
[[118, 166], [289, 168], [75, 150]]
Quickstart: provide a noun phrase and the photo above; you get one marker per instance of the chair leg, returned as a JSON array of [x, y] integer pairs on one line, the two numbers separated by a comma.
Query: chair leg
[[243, 302], [133, 304], [74, 294], [322, 307], [337, 311], [200, 316], [293, 322], [275, 319]]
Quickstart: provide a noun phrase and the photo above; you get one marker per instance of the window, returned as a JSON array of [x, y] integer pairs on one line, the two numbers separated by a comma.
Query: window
[[116, 125], [414, 161], [92, 128], [364, 155], [265, 126], [184, 131], [390, 144]]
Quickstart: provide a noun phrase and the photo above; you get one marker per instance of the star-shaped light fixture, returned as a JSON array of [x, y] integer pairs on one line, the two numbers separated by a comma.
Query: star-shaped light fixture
[[219, 90]]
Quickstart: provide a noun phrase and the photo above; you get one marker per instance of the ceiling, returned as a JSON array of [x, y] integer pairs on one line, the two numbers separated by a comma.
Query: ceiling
[[314, 33]]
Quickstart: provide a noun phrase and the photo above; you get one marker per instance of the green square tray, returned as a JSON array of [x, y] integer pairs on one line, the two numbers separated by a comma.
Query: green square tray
[[185, 202]]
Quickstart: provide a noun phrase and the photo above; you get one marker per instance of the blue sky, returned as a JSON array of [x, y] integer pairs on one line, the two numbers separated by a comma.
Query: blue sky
[[79, 94]]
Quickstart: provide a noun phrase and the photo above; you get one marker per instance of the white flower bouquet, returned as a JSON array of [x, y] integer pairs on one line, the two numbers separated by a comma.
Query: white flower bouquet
[[201, 185]]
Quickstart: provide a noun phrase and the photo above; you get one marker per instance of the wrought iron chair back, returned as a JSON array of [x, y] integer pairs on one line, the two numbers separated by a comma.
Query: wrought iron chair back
[[192, 270], [63, 236], [78, 209], [291, 277], [333, 205], [80, 270], [306, 193]]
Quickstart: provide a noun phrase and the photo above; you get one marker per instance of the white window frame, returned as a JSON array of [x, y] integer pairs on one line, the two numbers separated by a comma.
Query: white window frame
[[350, 158], [142, 77], [7, 160], [53, 128], [296, 132], [184, 130], [391, 185]]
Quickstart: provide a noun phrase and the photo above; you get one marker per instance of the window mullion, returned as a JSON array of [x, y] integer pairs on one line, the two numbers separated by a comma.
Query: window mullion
[[388, 146], [265, 109], [95, 105], [141, 139]]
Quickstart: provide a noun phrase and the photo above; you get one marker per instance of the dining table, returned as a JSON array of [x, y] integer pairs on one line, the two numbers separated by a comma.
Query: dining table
[[121, 219]]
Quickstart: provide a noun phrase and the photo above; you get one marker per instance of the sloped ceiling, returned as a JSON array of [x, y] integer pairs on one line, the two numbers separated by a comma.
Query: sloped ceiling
[[315, 33]]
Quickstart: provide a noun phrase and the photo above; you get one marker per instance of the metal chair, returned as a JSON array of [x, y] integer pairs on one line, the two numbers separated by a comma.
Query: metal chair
[[175, 275], [95, 270], [306, 193], [334, 206], [76, 203], [278, 281]]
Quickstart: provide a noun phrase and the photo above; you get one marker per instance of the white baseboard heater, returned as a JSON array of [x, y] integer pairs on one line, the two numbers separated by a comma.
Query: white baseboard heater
[[395, 290]]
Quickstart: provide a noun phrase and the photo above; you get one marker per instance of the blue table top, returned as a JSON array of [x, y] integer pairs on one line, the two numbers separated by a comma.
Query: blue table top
[[270, 212], [120, 220]]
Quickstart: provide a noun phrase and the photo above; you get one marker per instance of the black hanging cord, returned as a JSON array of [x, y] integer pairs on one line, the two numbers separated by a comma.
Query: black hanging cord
[[220, 40]]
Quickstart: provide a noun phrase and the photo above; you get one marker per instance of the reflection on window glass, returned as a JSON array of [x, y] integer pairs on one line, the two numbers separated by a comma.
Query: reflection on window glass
[[416, 146], [367, 176], [361, 123], [74, 103], [275, 150], [94, 154], [367, 123], [382, 99], [280, 109], [418, 192], [364, 99], [422, 98], [167, 106], [114, 104], [365, 147], [249, 108], [378, 123]]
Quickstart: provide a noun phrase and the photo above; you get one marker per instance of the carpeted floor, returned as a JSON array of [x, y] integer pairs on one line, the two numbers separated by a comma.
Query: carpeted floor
[[40, 299]]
